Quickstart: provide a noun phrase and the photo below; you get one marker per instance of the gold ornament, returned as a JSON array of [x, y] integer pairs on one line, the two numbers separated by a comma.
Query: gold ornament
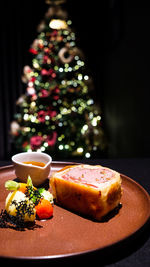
[[55, 2], [14, 128], [56, 11], [62, 56], [20, 100], [58, 24]]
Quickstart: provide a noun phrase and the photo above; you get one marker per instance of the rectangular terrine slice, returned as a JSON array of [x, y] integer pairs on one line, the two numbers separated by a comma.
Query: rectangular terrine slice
[[87, 189]]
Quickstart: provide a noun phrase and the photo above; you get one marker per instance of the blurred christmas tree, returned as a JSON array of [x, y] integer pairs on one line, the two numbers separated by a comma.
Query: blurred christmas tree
[[57, 114]]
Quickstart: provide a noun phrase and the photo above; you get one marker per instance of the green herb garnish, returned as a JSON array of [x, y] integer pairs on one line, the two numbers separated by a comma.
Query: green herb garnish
[[33, 194]]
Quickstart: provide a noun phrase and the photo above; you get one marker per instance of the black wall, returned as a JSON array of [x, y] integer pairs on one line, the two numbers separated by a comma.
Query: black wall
[[114, 36], [127, 85]]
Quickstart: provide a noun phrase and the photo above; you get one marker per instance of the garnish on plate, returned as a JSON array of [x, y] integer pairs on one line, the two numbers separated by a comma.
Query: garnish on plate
[[25, 204]]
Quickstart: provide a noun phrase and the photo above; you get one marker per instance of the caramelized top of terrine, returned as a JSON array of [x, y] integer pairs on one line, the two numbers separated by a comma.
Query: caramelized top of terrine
[[89, 176]]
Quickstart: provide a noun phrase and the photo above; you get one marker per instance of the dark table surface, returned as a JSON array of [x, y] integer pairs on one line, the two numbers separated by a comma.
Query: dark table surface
[[134, 251]]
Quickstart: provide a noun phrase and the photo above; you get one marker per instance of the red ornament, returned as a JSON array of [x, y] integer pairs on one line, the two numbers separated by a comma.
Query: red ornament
[[54, 33], [51, 139], [52, 113], [46, 60], [55, 97], [53, 75], [44, 72], [49, 72], [47, 50], [41, 116], [33, 51], [32, 79], [57, 90], [36, 142], [34, 97], [40, 45], [44, 93]]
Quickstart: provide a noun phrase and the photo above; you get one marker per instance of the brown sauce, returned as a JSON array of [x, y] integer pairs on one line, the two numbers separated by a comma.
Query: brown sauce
[[40, 164]]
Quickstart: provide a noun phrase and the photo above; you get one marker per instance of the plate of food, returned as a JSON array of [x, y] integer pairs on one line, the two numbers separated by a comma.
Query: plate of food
[[93, 202]]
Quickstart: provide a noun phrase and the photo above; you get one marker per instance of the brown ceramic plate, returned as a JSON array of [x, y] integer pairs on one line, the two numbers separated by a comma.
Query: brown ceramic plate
[[61, 236]]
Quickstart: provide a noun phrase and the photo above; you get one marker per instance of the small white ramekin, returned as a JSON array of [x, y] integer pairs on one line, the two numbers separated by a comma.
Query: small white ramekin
[[38, 174]]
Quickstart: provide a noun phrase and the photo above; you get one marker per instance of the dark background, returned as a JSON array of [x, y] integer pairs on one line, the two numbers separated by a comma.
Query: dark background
[[114, 36]]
